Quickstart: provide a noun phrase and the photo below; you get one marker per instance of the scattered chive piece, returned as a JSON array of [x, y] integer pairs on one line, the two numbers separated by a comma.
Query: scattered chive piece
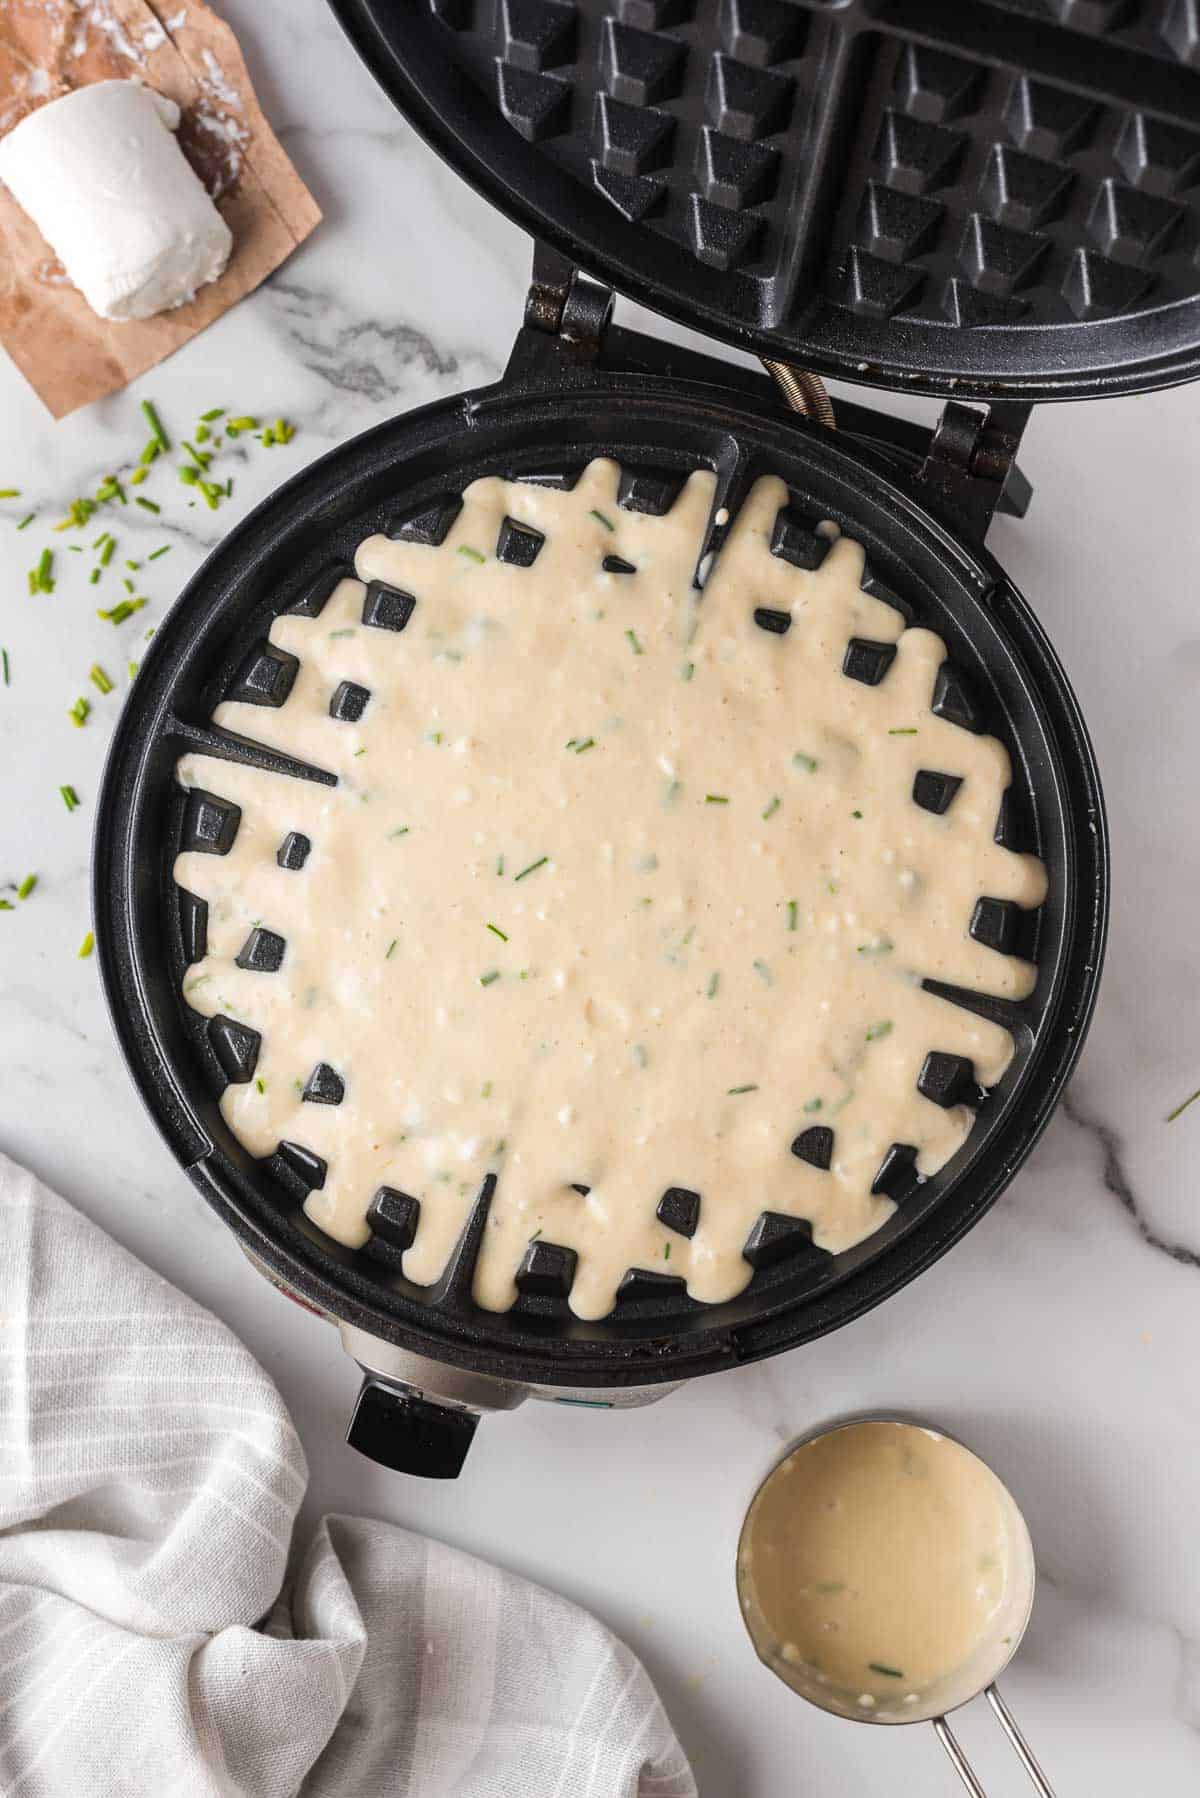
[[94, 576], [147, 505], [499, 864], [488, 978], [587, 743], [150, 453], [86, 947], [27, 520], [78, 713], [688, 669], [156, 553], [133, 668], [763, 972], [793, 911], [7, 905], [881, 947], [99, 679], [888, 1672], [125, 609], [4, 664], [716, 799], [390, 947], [127, 584], [33, 580], [188, 475], [807, 762], [734, 1091], [133, 565], [108, 489], [402, 832], [260, 1086], [284, 432], [472, 555], [856, 814], [201, 458], [714, 981], [213, 493], [631, 639], [813, 1105], [106, 554], [532, 868], [26, 887], [137, 477], [909, 730], [485, 1091], [43, 572], [598, 516], [202, 432], [879, 1030], [70, 797], [772, 807], [10, 493], [206, 418], [666, 1251], [152, 419], [78, 513], [1179, 1109], [496, 931]]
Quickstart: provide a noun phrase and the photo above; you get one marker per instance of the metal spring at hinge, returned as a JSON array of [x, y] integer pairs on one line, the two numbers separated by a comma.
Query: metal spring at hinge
[[802, 392]]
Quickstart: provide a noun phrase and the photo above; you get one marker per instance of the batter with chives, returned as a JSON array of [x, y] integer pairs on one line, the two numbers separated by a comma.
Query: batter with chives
[[616, 890]]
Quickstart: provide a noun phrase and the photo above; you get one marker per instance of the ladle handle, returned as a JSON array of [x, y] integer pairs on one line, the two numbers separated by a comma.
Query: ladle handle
[[1008, 1724]]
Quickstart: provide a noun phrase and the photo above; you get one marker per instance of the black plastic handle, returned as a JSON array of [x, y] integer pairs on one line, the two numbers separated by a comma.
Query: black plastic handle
[[408, 1433]]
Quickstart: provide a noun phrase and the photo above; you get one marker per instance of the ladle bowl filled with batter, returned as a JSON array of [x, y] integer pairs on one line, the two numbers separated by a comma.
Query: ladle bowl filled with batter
[[886, 1575]]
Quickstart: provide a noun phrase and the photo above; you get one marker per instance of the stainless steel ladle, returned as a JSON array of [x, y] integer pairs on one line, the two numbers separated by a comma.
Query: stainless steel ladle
[[977, 1675]]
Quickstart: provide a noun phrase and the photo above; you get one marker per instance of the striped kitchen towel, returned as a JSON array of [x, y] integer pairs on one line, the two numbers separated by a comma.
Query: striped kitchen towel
[[149, 1480]]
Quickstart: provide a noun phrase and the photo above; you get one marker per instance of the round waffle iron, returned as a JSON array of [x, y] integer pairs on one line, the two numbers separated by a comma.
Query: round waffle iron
[[558, 111]]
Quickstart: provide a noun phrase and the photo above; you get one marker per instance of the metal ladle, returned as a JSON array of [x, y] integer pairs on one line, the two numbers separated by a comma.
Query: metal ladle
[[977, 1675]]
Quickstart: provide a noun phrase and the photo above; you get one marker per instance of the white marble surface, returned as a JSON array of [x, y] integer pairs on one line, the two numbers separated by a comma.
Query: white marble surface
[[1062, 1338]]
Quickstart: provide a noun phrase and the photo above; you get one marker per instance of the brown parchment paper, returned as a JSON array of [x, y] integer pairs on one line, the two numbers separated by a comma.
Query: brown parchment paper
[[179, 47]]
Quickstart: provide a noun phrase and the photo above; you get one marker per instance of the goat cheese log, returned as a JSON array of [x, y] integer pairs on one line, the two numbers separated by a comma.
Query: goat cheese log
[[100, 174]]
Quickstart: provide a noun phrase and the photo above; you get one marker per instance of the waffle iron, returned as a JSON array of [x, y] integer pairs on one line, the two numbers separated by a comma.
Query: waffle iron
[[996, 203]]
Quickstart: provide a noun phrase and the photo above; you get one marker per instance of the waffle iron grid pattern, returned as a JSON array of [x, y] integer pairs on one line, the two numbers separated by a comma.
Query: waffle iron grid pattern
[[873, 174], [779, 1244]]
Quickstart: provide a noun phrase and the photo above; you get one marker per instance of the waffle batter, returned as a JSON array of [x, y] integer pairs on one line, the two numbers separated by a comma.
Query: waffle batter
[[617, 890]]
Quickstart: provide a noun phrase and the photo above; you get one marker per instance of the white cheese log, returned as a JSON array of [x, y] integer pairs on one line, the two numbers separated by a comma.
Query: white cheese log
[[100, 174]]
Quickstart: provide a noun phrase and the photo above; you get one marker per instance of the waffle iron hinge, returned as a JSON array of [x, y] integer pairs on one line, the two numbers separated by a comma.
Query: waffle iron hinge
[[966, 465]]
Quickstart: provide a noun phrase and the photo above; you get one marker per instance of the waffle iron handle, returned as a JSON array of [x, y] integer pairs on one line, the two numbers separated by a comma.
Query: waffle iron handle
[[408, 1433]]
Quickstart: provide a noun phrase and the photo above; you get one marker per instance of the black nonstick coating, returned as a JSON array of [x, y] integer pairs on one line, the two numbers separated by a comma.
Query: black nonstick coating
[[1006, 679], [969, 197]]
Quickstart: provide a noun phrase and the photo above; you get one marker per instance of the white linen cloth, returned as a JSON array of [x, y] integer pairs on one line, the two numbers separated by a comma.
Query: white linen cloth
[[149, 1480]]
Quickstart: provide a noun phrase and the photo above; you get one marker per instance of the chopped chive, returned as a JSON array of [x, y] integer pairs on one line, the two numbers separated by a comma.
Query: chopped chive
[[202, 432], [856, 814], [7, 905], [880, 947], [688, 669], [807, 762], [487, 979], [201, 458], [99, 679], [78, 513], [734, 1091], [472, 555], [127, 584], [152, 419], [94, 576], [666, 1251], [1180, 1109], [151, 453], [10, 493], [499, 864], [390, 947], [213, 494], [33, 580], [877, 1031], [631, 639], [147, 505], [763, 972], [86, 947], [27, 520], [714, 981], [772, 807], [888, 1672], [156, 553], [4, 664], [70, 797], [188, 475], [598, 516], [793, 911], [909, 730], [42, 574], [532, 868], [79, 712], [813, 1105], [206, 418], [137, 477], [107, 552], [496, 931], [716, 799], [133, 668], [108, 489], [260, 1086], [402, 832], [284, 432], [26, 887], [134, 565], [587, 743], [125, 609]]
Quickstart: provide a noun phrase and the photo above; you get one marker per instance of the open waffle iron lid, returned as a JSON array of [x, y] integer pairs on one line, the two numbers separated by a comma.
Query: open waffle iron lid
[[986, 199]]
